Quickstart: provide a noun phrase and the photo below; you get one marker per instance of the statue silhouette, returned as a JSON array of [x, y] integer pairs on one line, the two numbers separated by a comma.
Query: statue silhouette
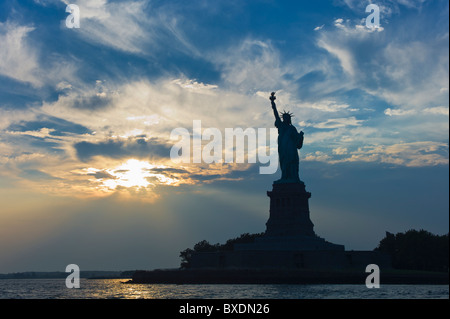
[[289, 141]]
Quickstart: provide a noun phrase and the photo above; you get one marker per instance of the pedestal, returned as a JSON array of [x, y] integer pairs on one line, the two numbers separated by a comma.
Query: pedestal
[[289, 211], [289, 227]]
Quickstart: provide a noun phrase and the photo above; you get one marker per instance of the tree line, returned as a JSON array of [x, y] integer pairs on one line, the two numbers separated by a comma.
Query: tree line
[[416, 250]]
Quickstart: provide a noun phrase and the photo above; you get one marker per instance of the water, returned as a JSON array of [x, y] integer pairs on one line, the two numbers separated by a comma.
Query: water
[[115, 289]]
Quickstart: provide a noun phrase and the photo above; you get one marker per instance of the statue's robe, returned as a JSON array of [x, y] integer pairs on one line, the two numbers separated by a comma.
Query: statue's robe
[[289, 141]]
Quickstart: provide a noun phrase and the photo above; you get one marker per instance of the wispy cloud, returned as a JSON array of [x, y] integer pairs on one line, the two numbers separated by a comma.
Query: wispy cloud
[[138, 27], [318, 28], [415, 154], [339, 122], [18, 60], [438, 110], [121, 25], [405, 72], [22, 61], [251, 66]]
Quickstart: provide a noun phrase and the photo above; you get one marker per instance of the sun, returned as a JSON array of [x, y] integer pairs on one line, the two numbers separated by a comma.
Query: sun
[[135, 174], [132, 173]]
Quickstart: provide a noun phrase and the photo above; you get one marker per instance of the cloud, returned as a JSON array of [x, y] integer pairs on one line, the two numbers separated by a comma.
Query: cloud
[[347, 43], [46, 126], [400, 112], [340, 151], [338, 23], [41, 133], [18, 60], [437, 110], [414, 154], [194, 86], [251, 66], [343, 55], [319, 27], [441, 110], [327, 106], [102, 175], [119, 25], [317, 156], [136, 148], [91, 102], [407, 72], [21, 60], [339, 122], [138, 27]]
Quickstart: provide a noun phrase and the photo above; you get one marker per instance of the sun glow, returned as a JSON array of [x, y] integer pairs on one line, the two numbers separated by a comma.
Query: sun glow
[[132, 174]]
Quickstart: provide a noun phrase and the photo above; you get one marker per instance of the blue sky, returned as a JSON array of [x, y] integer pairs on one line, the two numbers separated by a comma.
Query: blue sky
[[86, 116]]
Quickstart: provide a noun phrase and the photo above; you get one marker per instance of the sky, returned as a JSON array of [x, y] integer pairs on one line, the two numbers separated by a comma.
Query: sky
[[86, 116]]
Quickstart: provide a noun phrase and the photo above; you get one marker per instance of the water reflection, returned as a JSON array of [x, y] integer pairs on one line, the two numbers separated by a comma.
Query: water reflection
[[117, 289]]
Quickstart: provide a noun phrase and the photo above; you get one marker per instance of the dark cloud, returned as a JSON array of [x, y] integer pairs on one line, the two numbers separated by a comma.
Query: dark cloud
[[102, 174], [200, 177], [34, 143], [121, 171], [140, 148], [60, 126], [95, 102], [169, 170]]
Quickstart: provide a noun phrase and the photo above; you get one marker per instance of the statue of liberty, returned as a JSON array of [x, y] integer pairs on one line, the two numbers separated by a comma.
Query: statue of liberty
[[289, 141]]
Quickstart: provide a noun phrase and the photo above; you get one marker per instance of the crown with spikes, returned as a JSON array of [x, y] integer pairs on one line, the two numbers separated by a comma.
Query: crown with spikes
[[287, 113]]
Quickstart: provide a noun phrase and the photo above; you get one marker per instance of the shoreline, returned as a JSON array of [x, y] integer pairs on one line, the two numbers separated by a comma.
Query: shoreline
[[283, 276]]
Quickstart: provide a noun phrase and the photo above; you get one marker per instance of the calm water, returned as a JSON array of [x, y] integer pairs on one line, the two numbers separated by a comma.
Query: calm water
[[114, 288]]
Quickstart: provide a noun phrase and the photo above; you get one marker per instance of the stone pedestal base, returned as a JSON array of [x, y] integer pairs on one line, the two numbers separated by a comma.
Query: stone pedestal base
[[289, 227], [289, 211]]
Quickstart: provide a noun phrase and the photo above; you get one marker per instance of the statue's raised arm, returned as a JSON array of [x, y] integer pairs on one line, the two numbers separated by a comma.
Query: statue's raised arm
[[274, 107]]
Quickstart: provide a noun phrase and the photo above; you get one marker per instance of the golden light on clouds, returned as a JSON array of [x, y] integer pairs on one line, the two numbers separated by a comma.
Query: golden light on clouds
[[132, 173]]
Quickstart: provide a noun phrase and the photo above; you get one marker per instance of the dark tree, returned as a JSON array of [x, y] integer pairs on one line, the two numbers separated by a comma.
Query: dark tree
[[186, 258], [242, 239], [417, 250], [205, 246]]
